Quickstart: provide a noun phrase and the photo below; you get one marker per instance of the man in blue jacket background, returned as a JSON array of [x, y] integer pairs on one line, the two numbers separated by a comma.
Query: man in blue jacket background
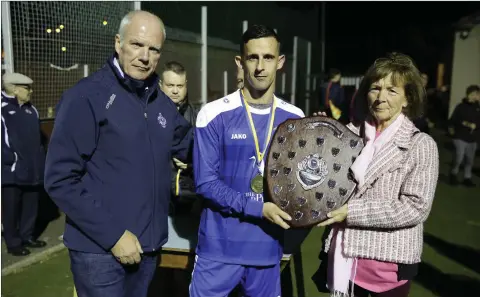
[[108, 164], [23, 161]]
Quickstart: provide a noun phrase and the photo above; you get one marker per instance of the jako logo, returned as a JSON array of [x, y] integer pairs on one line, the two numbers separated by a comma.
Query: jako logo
[[239, 136], [110, 102]]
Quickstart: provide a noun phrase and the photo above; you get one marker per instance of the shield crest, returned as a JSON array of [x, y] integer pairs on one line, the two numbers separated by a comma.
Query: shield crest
[[308, 168]]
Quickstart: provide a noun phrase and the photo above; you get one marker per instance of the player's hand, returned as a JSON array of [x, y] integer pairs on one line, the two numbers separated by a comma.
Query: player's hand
[[336, 216], [320, 113], [275, 215], [179, 164], [127, 250]]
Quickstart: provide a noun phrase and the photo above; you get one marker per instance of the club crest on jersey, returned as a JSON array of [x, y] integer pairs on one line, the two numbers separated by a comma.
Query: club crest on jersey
[[28, 111], [239, 136], [161, 120]]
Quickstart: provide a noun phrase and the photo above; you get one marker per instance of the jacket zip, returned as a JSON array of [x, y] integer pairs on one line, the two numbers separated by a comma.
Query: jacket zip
[[145, 114]]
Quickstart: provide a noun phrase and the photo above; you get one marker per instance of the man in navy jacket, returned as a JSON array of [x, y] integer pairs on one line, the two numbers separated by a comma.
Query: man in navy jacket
[[23, 161], [108, 164]]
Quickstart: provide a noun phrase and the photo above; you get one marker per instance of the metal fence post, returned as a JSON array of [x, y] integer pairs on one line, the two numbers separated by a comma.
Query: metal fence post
[[7, 36], [294, 70], [204, 55]]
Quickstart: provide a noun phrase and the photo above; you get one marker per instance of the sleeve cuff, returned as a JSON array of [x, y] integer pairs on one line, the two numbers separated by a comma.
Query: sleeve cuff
[[254, 209], [354, 215], [109, 240]]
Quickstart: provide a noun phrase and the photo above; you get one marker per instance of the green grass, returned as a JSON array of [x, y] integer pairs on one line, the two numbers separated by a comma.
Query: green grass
[[450, 267], [451, 255], [48, 278]]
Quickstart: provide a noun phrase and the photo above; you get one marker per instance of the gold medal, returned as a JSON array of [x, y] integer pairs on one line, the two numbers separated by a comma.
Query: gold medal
[[257, 184]]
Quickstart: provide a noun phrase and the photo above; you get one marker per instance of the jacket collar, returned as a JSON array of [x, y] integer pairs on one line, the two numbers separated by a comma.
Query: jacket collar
[[138, 87], [404, 135], [6, 96], [401, 138], [12, 100], [392, 155], [184, 106]]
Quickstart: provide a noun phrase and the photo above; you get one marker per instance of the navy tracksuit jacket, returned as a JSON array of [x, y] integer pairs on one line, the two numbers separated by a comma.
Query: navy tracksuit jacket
[[108, 161]]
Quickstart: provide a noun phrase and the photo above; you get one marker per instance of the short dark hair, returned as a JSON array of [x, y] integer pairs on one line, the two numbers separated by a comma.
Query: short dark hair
[[333, 72], [256, 32], [472, 88], [174, 66], [404, 71]]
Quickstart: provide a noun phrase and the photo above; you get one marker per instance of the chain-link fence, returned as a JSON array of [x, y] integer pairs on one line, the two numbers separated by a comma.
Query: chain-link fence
[[53, 41], [58, 43]]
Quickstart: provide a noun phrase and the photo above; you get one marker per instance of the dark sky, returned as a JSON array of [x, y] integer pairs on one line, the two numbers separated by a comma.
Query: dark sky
[[359, 32]]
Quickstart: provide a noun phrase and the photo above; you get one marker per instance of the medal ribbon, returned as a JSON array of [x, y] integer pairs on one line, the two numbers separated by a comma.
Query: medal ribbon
[[259, 154]]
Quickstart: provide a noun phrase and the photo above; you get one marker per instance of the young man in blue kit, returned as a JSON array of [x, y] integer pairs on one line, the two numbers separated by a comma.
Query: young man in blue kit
[[237, 242]]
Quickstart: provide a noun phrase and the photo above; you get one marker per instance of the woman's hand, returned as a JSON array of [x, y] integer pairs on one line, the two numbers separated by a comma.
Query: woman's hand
[[336, 216]]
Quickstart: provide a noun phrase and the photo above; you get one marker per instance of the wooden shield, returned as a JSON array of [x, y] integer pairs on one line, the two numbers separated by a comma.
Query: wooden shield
[[308, 168]]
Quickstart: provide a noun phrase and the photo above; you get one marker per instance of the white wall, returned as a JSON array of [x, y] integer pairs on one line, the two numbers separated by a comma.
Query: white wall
[[466, 66]]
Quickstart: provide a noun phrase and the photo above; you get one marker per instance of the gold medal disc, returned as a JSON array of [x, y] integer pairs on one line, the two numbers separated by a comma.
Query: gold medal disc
[[257, 184]]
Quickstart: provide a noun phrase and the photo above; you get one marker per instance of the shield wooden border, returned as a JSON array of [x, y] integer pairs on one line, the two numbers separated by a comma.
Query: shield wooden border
[[308, 168]]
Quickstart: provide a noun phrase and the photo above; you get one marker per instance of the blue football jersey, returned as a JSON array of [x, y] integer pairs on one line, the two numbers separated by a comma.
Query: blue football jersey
[[232, 229]]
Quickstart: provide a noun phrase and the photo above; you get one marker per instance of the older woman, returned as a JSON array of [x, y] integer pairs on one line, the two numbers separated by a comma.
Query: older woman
[[376, 244]]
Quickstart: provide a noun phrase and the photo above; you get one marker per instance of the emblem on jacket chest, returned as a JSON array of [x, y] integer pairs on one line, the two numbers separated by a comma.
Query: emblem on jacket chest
[[161, 120]]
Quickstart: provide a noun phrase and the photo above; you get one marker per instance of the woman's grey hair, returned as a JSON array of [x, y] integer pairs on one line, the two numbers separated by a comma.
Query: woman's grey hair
[[127, 19]]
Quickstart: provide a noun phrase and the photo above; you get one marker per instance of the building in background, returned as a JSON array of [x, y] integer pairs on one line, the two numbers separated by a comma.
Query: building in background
[[466, 58]]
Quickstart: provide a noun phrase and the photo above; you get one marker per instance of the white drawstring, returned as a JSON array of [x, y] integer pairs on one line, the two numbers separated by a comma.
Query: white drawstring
[[354, 275]]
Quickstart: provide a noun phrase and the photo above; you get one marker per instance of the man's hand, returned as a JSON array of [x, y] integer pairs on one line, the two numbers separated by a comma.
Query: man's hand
[[275, 215], [127, 250], [179, 164], [320, 113], [336, 216]]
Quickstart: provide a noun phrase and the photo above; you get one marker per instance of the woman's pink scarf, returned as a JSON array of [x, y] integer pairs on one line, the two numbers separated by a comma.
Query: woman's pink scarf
[[340, 265]]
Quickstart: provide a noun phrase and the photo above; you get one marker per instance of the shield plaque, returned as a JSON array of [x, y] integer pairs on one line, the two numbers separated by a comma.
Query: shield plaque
[[308, 168]]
